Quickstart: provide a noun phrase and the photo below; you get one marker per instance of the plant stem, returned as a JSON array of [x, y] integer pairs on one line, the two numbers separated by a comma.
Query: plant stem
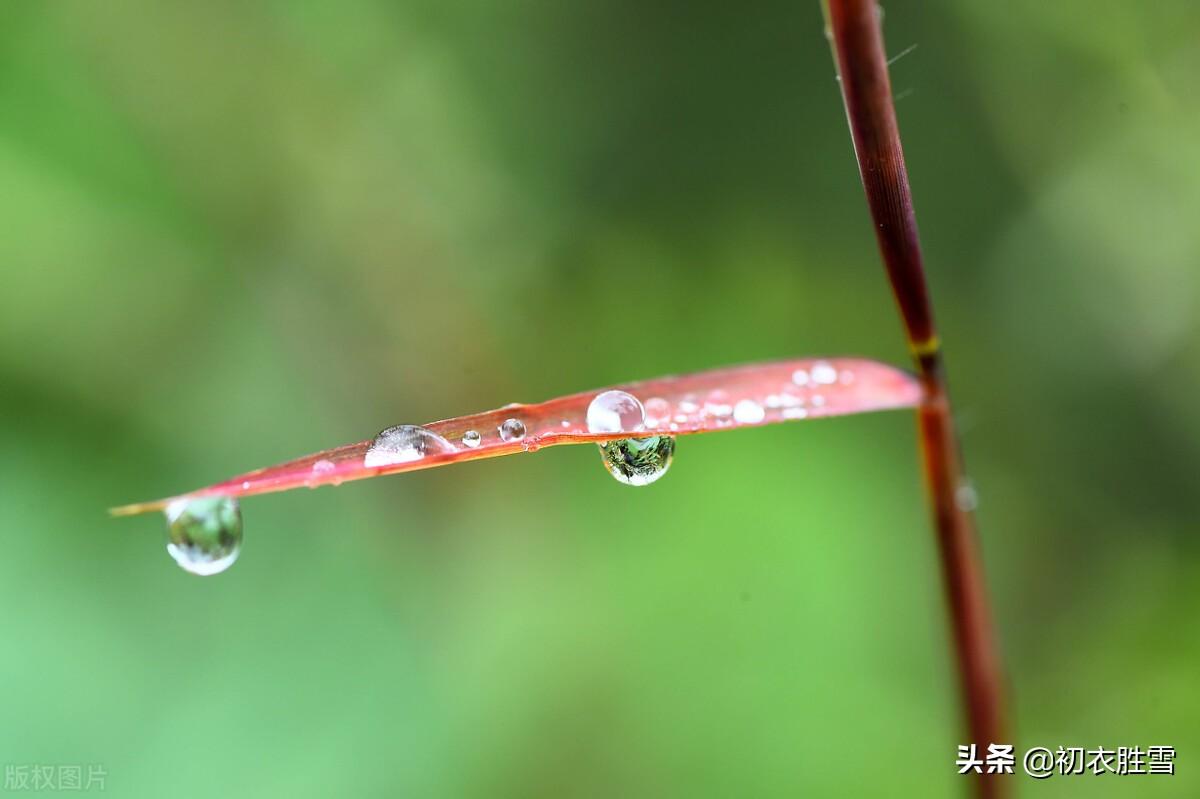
[[858, 49]]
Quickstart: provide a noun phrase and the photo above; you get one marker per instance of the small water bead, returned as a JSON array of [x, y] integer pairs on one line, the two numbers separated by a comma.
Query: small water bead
[[718, 409], [319, 470], [748, 412], [824, 373], [403, 444], [472, 439], [204, 535], [658, 411], [512, 430], [638, 461], [966, 497], [615, 412]]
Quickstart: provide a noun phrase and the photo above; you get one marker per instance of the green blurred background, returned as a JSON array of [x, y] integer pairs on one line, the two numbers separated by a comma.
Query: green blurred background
[[235, 233]]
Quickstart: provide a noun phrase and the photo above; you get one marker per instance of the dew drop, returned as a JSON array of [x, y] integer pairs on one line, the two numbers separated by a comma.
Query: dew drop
[[615, 412], [512, 430], [824, 373], [405, 443], [638, 461], [472, 439], [319, 470], [748, 412], [204, 535], [966, 497]]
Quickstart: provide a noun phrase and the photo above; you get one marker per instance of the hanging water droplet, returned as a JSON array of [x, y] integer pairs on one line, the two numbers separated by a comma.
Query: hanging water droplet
[[404, 443], [615, 412], [471, 439], [638, 461], [512, 430], [204, 535]]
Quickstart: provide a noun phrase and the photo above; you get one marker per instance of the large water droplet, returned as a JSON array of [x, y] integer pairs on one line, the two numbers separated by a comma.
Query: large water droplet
[[638, 461], [204, 535], [512, 430], [615, 412], [405, 443]]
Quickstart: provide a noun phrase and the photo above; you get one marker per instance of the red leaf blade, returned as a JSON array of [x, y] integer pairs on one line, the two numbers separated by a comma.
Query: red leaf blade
[[701, 402]]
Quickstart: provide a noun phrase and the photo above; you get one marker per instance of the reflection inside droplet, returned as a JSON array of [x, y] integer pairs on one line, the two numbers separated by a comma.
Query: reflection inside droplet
[[204, 535], [512, 430], [638, 461]]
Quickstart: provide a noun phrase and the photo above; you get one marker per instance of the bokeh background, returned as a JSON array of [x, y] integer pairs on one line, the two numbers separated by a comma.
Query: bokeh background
[[234, 233]]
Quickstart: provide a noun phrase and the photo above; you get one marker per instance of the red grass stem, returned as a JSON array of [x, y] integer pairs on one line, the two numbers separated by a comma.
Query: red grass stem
[[857, 40]]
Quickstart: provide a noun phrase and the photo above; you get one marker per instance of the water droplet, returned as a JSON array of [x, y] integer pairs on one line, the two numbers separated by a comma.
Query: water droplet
[[512, 430], [748, 412], [800, 377], [319, 469], [472, 439], [405, 443], [966, 497], [718, 409], [824, 373], [638, 461], [615, 412], [204, 535]]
